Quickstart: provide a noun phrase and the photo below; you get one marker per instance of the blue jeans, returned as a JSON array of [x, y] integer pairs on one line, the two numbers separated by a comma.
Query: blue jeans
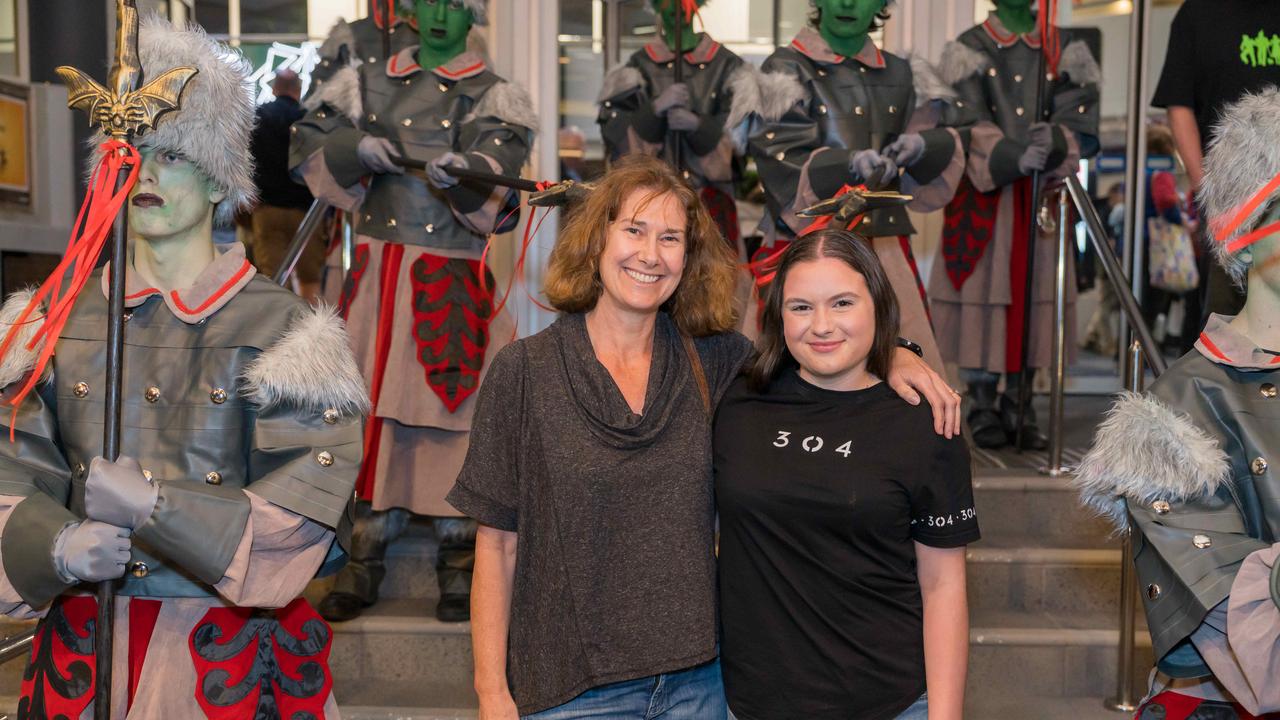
[[919, 710], [693, 694]]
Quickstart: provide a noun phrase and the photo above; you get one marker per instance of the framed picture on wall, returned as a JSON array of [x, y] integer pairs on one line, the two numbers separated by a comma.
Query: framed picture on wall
[[15, 144]]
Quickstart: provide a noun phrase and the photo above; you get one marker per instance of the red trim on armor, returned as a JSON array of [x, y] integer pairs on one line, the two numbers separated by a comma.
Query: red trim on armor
[[1030, 39], [1023, 243], [142, 622], [800, 46], [177, 301], [1208, 345], [142, 293], [392, 256], [465, 72]]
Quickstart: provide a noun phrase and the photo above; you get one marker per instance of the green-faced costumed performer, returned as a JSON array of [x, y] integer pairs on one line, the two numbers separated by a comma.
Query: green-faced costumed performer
[[418, 298], [241, 441]]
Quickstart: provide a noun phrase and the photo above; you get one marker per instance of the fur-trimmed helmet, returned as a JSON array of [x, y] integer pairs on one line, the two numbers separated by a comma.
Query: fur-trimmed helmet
[[1243, 157], [215, 114], [479, 11]]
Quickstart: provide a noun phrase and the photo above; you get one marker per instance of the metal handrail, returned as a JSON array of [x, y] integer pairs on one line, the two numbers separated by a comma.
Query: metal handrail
[[16, 646], [1115, 275]]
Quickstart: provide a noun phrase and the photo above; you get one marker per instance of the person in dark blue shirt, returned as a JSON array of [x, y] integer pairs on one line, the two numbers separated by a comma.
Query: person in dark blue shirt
[[283, 202]]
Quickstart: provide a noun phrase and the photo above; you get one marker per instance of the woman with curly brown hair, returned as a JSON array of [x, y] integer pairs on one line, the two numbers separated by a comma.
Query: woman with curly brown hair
[[589, 468]]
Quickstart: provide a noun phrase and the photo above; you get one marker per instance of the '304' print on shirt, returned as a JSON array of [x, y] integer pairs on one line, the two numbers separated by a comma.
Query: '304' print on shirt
[[811, 443]]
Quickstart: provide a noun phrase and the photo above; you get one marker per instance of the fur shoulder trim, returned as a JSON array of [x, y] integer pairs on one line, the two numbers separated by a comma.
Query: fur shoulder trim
[[18, 361], [311, 366], [340, 92], [959, 61], [927, 82], [744, 85], [779, 92], [620, 80], [340, 36], [1145, 451], [1077, 63], [509, 103]]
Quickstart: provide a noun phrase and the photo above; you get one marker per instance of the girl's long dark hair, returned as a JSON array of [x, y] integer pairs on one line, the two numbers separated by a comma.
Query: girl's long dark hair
[[853, 251]]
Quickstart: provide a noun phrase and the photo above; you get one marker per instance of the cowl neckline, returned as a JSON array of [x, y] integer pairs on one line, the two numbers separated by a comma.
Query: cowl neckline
[[598, 401]]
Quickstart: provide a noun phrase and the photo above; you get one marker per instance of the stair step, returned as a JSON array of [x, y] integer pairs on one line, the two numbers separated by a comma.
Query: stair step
[[372, 712], [1043, 579], [1021, 506]]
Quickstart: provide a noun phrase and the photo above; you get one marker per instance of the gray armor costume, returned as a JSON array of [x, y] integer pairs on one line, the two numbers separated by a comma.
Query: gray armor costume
[[720, 85], [423, 331], [977, 292], [818, 106], [244, 407], [1190, 465]]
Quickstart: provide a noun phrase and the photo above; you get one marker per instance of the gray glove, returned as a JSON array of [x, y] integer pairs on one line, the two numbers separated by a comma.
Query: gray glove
[[118, 493], [675, 96], [872, 168], [91, 551], [436, 173], [376, 155], [1040, 134], [682, 120], [906, 150], [1032, 159]]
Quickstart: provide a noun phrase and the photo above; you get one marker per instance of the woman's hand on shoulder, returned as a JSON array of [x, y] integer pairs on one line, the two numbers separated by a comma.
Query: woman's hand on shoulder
[[911, 377], [498, 706]]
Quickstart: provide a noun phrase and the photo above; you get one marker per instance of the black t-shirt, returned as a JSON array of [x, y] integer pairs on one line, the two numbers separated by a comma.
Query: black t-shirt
[[820, 495], [270, 147], [1219, 50]]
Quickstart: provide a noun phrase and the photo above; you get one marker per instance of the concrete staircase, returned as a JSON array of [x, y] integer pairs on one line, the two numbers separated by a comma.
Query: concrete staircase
[[1043, 594]]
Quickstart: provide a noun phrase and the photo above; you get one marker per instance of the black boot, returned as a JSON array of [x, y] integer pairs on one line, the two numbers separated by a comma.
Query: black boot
[[984, 420], [1032, 438], [454, 563], [358, 581]]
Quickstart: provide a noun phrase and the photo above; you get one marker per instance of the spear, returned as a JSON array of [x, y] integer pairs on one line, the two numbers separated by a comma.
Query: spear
[[542, 194], [123, 110]]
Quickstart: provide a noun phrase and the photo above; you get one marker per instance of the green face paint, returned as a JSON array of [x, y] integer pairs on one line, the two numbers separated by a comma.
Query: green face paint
[[1016, 15], [442, 31], [666, 10], [172, 198], [844, 24]]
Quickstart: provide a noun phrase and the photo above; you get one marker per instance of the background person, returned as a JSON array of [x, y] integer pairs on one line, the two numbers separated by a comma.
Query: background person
[[843, 517], [589, 469], [1215, 55], [282, 202]]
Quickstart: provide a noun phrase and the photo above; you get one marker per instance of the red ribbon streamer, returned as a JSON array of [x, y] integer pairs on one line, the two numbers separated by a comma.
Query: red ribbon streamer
[[764, 265], [1050, 38], [97, 214]]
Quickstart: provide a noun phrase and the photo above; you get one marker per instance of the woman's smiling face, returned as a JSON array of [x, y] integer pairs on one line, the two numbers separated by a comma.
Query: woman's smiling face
[[644, 252], [829, 323]]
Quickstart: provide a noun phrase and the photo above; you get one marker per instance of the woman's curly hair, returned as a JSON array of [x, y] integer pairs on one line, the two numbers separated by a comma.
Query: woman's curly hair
[[703, 301]]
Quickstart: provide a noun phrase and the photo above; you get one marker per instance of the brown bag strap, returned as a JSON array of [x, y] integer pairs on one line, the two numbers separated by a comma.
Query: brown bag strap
[[699, 375]]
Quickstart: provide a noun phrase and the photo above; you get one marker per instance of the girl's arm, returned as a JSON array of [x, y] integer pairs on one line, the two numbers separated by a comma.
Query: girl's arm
[[491, 587], [946, 628]]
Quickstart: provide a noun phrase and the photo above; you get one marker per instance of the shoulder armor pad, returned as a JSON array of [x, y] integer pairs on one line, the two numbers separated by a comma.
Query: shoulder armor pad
[[509, 103], [1077, 63], [1146, 451], [620, 81], [960, 61], [341, 92], [779, 91], [18, 360], [311, 367], [927, 83], [340, 36], [744, 84]]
